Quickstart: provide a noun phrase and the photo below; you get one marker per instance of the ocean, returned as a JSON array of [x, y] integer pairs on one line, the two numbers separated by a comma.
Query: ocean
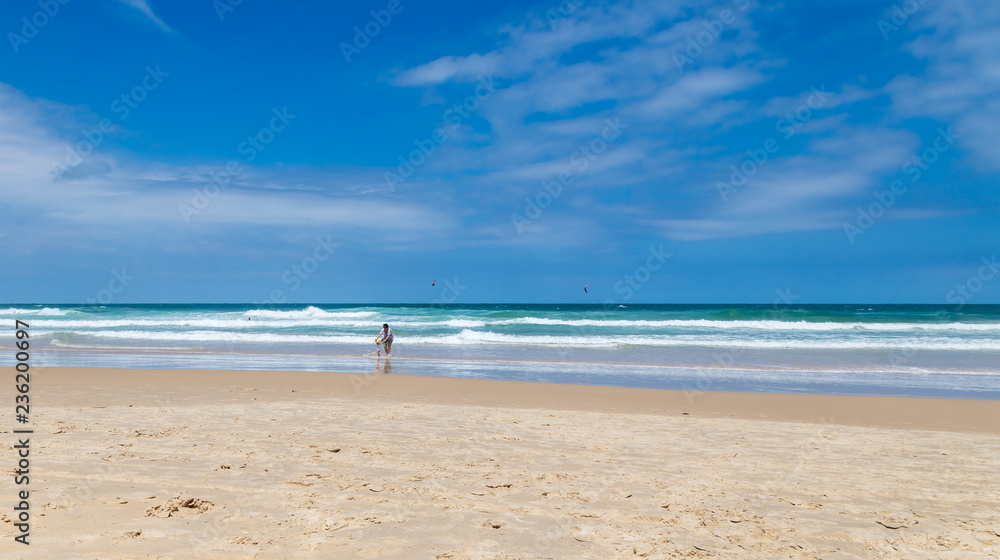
[[903, 350]]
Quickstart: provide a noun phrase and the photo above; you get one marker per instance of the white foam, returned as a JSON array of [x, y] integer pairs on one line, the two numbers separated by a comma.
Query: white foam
[[45, 312], [314, 317], [470, 337], [226, 336], [310, 312], [459, 323], [773, 325], [242, 323]]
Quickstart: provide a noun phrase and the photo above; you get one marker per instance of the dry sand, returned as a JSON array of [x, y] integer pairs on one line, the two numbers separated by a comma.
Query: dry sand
[[189, 464]]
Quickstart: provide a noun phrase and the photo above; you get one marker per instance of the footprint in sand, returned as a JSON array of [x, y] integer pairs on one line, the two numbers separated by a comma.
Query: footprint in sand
[[180, 507]]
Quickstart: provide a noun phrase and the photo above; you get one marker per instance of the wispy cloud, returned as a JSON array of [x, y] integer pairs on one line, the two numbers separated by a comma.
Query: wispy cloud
[[810, 190], [143, 7], [602, 61], [961, 84], [138, 198], [635, 61], [557, 86]]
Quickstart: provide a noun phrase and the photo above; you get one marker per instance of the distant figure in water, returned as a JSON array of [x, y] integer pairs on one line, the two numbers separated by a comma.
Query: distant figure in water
[[384, 339]]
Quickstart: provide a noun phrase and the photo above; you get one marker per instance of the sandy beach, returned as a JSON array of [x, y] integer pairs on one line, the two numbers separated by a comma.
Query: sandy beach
[[233, 465]]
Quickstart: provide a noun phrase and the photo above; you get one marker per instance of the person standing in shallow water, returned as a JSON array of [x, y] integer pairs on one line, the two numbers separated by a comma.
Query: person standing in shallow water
[[384, 339]]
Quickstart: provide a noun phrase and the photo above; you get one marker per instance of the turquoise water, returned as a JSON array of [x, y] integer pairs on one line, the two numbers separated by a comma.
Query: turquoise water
[[857, 349]]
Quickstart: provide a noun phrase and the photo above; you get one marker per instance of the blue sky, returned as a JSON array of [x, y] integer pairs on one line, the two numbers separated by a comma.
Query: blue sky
[[202, 152]]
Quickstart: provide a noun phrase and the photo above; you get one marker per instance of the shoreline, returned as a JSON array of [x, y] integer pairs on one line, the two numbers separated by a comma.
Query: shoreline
[[142, 387]]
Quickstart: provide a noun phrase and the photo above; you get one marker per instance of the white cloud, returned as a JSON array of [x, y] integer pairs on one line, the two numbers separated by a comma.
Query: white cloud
[[143, 7], [961, 84], [816, 98], [123, 193], [536, 44], [620, 60], [561, 81], [450, 68], [802, 192], [696, 89]]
